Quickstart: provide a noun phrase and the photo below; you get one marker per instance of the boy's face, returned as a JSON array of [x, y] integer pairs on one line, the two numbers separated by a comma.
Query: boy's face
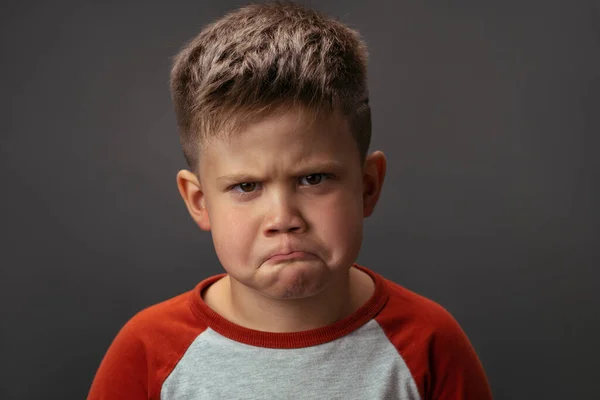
[[289, 183]]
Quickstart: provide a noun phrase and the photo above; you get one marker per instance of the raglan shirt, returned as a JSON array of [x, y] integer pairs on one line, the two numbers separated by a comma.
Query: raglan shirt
[[398, 345]]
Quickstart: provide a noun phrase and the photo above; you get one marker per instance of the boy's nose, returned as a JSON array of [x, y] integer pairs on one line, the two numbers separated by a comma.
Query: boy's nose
[[283, 215]]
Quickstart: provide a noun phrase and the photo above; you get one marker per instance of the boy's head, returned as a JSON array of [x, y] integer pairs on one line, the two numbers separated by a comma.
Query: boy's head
[[272, 107], [263, 58]]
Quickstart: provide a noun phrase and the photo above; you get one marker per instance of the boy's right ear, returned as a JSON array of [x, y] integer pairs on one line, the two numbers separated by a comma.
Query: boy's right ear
[[193, 196]]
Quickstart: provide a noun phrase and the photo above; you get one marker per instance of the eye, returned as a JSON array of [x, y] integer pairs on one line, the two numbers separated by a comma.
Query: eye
[[246, 187], [314, 179]]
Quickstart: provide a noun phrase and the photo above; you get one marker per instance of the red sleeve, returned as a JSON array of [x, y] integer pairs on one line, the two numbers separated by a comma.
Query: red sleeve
[[123, 373], [146, 350], [456, 372], [434, 347]]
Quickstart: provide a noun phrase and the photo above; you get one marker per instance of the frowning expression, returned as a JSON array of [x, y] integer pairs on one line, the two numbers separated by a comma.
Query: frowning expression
[[284, 201]]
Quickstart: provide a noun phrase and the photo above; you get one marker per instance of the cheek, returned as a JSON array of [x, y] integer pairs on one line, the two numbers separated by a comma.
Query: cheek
[[233, 234], [340, 224]]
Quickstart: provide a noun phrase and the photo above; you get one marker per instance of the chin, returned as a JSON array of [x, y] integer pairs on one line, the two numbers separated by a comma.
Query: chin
[[301, 281]]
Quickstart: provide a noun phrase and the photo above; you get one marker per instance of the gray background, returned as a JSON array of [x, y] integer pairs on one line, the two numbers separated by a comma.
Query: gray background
[[488, 111]]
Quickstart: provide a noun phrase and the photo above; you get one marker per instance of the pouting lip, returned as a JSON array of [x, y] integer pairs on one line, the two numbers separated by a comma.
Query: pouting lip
[[293, 253]]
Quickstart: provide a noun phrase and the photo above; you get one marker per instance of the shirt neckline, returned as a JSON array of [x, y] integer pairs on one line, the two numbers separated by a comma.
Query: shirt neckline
[[289, 340]]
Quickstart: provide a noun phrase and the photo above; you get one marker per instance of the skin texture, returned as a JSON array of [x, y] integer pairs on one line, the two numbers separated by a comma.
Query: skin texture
[[290, 182]]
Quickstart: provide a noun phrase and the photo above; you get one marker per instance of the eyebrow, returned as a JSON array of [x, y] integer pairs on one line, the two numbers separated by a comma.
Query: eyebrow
[[315, 167]]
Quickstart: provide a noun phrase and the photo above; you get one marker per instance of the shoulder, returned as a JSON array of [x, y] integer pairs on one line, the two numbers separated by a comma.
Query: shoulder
[[159, 317], [409, 309], [162, 330], [433, 345], [146, 349]]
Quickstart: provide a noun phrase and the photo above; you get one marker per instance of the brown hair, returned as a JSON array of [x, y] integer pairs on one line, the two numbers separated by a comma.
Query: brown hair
[[263, 58]]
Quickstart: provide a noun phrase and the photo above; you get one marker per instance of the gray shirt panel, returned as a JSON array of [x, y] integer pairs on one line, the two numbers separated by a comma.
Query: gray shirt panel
[[361, 365]]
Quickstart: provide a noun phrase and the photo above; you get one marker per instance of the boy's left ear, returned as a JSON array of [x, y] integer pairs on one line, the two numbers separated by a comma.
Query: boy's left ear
[[373, 176]]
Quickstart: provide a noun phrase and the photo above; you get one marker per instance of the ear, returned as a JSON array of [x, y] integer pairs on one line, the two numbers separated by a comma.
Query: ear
[[373, 176], [193, 196]]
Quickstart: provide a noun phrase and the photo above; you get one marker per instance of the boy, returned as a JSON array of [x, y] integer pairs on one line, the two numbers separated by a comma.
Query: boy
[[274, 120]]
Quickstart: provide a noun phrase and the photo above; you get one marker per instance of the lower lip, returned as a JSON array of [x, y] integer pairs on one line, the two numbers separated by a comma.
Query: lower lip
[[296, 255]]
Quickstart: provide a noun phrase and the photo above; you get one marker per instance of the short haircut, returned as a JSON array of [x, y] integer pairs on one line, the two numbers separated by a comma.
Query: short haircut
[[264, 58]]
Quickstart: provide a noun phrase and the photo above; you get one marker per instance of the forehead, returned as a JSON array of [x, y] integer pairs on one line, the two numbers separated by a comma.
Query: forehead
[[282, 139]]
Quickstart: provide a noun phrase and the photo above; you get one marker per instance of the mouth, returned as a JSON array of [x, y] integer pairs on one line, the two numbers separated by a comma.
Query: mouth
[[294, 255]]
